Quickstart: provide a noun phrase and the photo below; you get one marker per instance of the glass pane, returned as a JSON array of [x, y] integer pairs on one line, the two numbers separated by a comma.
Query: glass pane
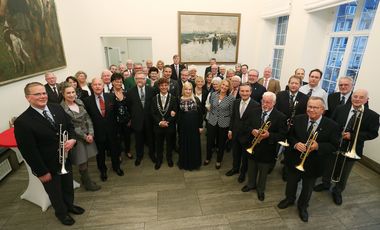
[[368, 14], [282, 26], [345, 16], [277, 63], [356, 56]]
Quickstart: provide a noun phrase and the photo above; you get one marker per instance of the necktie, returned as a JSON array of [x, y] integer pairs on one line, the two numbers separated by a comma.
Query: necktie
[[142, 97], [342, 100], [266, 83], [50, 120], [311, 126], [350, 125], [263, 117], [102, 106], [177, 70], [310, 92], [242, 108], [55, 91]]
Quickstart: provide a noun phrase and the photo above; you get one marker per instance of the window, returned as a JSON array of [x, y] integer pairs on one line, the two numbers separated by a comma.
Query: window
[[278, 52], [348, 41]]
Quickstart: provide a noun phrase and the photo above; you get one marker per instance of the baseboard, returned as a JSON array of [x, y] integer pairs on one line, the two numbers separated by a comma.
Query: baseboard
[[370, 164]]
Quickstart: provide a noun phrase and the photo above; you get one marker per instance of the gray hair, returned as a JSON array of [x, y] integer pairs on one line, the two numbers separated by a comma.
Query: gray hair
[[270, 94]]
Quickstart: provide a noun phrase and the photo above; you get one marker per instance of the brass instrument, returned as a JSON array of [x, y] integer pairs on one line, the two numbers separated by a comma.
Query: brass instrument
[[312, 137], [63, 137], [348, 153], [256, 140], [289, 122]]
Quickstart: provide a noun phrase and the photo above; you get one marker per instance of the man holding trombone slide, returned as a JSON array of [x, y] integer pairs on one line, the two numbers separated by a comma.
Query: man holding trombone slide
[[311, 138], [357, 124]]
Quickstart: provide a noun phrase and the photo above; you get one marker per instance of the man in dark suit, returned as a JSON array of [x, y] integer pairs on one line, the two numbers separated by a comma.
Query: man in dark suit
[[241, 113], [299, 72], [268, 82], [346, 116], [176, 67], [264, 152], [340, 98], [100, 108], [208, 68], [291, 102], [257, 89], [164, 112], [173, 84], [52, 88], [37, 132], [139, 99], [300, 141], [184, 78]]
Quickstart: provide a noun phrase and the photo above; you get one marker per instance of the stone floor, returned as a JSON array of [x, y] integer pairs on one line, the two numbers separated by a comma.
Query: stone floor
[[206, 199]]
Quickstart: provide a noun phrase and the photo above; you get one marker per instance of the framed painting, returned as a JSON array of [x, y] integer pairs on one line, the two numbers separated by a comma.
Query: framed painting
[[205, 35], [31, 42]]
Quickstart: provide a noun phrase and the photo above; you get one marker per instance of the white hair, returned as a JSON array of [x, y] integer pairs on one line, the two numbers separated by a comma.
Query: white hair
[[270, 94], [236, 77], [216, 80]]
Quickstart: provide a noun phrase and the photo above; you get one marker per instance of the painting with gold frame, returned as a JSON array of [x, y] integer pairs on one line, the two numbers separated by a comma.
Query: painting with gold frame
[[31, 42], [206, 35]]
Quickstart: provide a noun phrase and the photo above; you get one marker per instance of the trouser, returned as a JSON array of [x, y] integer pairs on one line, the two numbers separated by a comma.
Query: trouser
[[257, 175], [307, 188], [216, 133], [161, 137], [61, 193], [239, 160], [347, 167], [141, 137], [113, 146]]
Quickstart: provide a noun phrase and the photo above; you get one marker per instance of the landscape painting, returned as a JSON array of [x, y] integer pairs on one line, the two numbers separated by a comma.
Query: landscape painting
[[208, 35], [31, 42]]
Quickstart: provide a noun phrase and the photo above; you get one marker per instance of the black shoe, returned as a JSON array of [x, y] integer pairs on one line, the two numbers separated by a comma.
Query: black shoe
[[247, 189], [119, 172], [206, 162], [76, 210], [103, 176], [232, 172], [321, 187], [337, 198], [241, 178], [137, 162], [285, 203], [66, 220], [157, 165], [261, 196], [304, 216], [170, 163], [218, 165]]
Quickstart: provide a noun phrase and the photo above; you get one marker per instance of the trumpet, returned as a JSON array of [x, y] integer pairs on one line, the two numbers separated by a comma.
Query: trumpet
[[256, 140], [289, 122], [312, 137], [63, 137], [348, 153]]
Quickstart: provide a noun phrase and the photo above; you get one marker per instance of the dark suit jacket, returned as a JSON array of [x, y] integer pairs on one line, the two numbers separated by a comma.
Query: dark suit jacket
[[173, 88], [52, 97], [140, 114], [174, 73], [38, 140], [369, 126], [333, 101], [208, 70], [103, 126], [180, 86], [237, 123], [257, 92], [265, 151], [328, 141], [282, 103], [157, 116]]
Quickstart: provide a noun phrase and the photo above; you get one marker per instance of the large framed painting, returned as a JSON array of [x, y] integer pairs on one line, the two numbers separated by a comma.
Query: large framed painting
[[205, 35], [31, 42]]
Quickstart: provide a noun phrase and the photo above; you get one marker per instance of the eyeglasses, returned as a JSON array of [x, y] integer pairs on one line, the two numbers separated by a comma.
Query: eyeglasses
[[38, 94], [313, 107]]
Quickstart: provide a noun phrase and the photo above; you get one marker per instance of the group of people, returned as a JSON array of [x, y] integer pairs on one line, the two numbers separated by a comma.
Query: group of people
[[241, 111]]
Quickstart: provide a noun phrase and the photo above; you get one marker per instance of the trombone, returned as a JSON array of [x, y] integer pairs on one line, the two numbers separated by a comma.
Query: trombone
[[63, 137], [312, 137], [350, 153], [257, 139]]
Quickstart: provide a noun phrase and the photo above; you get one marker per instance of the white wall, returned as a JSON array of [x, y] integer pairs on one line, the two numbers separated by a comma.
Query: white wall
[[82, 23]]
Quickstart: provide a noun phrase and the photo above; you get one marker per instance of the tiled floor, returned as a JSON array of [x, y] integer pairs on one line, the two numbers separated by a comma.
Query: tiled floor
[[206, 199]]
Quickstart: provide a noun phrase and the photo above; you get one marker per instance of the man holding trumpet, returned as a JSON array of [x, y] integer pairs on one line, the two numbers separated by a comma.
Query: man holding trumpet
[[311, 138], [38, 137], [357, 124]]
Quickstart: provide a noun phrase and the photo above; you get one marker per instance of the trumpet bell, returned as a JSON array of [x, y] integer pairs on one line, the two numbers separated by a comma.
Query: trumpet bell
[[300, 167], [284, 143], [352, 155], [250, 150], [63, 172]]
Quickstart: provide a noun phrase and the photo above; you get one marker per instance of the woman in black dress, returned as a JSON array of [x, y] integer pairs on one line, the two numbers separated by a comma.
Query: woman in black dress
[[190, 121]]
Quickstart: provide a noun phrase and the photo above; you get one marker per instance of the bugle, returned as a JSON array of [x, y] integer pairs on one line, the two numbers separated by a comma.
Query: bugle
[[256, 140], [351, 149], [63, 137], [312, 137]]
